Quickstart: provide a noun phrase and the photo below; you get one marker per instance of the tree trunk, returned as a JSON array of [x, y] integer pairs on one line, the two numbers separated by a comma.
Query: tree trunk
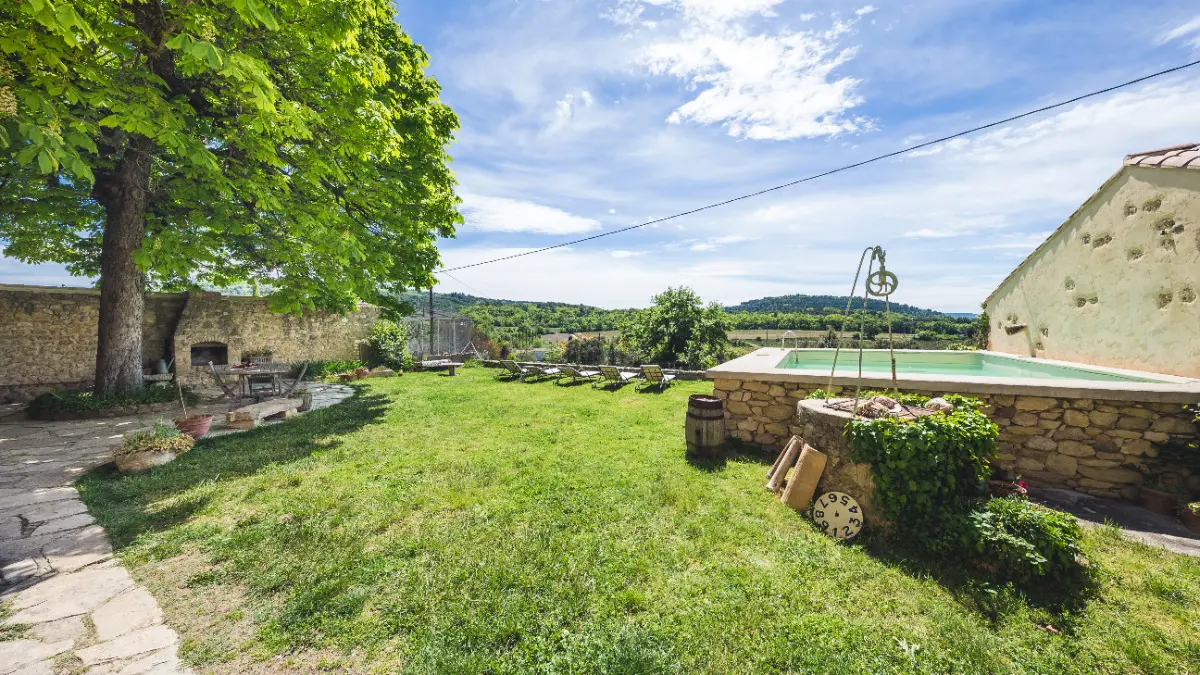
[[125, 196]]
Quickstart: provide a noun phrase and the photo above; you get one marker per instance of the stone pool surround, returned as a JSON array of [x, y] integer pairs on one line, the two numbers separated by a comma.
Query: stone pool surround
[[1095, 437]]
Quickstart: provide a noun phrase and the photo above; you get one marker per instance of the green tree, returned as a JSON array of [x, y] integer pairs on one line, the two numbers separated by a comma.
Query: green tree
[[296, 144], [678, 328]]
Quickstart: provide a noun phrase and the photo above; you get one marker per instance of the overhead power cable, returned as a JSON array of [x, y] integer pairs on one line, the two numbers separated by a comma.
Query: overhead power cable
[[830, 172]]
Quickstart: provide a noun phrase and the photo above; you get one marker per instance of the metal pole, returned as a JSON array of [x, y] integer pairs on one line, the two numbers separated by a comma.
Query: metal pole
[[431, 320]]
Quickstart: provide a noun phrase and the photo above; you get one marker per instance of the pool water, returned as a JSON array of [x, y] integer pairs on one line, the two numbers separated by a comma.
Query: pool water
[[974, 364]]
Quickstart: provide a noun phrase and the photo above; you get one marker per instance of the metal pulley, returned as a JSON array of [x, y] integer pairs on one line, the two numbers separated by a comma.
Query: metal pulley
[[882, 283]]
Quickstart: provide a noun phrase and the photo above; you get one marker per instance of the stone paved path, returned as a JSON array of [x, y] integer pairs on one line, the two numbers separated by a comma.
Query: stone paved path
[[58, 576]]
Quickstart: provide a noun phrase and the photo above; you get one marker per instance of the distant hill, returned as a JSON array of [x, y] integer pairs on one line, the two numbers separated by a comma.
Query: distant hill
[[824, 304], [963, 315]]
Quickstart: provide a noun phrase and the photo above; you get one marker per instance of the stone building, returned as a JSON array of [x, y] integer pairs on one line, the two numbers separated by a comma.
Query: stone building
[[1117, 284], [48, 335]]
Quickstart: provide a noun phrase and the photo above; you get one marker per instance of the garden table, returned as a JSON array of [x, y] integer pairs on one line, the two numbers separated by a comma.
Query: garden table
[[245, 374]]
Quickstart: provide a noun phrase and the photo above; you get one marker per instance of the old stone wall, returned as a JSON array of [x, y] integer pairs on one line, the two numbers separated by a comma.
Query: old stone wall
[[822, 428], [245, 324], [1104, 448], [48, 335]]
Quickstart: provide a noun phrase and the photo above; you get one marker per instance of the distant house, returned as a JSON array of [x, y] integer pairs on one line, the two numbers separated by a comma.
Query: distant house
[[1117, 284]]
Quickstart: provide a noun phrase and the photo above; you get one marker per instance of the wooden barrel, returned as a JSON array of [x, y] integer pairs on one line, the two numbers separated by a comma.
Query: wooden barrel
[[705, 428]]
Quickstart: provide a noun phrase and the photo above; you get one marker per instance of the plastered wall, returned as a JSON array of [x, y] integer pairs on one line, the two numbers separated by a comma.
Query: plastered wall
[[1117, 285]]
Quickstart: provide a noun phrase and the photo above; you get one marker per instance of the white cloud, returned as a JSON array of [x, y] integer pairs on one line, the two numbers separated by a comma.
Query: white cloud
[[499, 214], [758, 85], [568, 108], [1188, 28], [626, 254], [865, 10]]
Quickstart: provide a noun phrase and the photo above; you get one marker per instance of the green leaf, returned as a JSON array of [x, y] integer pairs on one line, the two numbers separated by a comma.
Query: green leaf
[[46, 162]]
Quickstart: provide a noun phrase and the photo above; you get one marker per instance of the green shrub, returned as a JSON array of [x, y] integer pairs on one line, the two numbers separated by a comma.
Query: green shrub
[[588, 351], [162, 438], [927, 471], [321, 369], [84, 402], [1027, 542], [389, 345]]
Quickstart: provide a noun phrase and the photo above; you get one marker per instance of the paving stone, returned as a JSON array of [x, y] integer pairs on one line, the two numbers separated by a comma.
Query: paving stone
[[129, 611], [70, 628], [68, 595], [17, 653], [45, 667], [54, 510], [74, 522], [26, 498], [78, 548], [138, 642], [163, 661]]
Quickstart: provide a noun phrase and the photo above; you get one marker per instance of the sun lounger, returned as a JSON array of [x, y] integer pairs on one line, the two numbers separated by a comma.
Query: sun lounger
[[654, 376], [610, 375], [577, 374], [540, 372], [512, 371]]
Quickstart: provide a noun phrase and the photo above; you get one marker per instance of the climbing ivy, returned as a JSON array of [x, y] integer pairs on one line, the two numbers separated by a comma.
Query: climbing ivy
[[929, 469]]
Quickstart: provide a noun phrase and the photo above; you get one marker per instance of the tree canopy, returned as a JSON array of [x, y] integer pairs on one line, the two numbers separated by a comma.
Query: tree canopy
[[294, 143], [679, 329]]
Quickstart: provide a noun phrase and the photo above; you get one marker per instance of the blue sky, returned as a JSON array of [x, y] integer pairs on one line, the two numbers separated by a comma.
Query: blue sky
[[580, 117]]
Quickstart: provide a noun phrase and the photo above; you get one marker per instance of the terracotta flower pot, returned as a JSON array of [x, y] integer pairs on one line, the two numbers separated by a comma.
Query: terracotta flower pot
[[1191, 520], [195, 426], [1003, 488], [1158, 501]]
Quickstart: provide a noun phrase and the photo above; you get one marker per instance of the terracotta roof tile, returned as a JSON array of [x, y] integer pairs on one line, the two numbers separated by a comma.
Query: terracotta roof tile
[[1186, 156]]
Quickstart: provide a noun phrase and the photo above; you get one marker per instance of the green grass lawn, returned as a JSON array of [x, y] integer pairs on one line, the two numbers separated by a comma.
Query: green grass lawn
[[463, 525]]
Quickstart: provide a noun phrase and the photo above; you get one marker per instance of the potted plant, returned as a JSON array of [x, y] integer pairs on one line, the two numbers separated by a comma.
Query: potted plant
[[261, 355], [154, 447], [305, 395], [195, 426], [1190, 514], [1158, 498]]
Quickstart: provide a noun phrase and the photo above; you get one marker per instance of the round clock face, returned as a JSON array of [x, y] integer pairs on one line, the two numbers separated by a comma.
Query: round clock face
[[838, 514]]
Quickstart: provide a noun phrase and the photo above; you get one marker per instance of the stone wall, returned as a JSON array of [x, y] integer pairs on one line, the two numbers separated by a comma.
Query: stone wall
[[245, 324], [1094, 446], [822, 428], [48, 335]]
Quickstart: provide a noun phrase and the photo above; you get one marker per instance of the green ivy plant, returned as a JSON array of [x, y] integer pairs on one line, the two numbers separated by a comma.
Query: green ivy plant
[[926, 470], [1025, 541]]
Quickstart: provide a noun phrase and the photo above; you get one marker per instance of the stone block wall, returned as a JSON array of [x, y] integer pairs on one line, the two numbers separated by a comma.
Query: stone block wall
[[48, 335], [245, 324], [822, 428], [1099, 447]]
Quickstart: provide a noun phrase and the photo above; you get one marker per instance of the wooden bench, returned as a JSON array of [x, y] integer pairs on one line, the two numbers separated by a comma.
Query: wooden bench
[[249, 416], [439, 364]]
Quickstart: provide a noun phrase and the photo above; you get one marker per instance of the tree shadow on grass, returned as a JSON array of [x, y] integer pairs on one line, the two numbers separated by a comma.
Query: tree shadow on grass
[[125, 504], [990, 596]]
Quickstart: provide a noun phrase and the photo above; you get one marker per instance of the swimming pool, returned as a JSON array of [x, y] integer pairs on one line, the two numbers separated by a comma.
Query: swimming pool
[[965, 372], [949, 363]]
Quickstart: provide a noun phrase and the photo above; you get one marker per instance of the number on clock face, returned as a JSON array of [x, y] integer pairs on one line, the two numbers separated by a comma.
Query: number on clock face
[[838, 514]]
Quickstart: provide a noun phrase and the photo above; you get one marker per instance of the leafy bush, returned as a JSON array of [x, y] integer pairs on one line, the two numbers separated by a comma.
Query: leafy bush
[[85, 402], [927, 471], [1025, 541], [389, 344], [321, 369], [589, 351], [679, 329], [162, 438]]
